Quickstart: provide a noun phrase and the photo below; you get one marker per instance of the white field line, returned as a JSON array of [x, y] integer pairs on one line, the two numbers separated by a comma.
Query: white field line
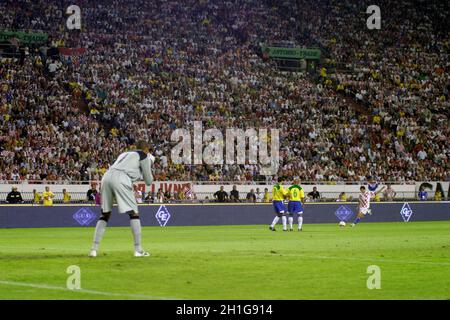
[[102, 293]]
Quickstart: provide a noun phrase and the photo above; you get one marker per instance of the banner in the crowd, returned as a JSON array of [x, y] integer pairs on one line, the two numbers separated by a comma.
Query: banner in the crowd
[[292, 53], [165, 186], [23, 37]]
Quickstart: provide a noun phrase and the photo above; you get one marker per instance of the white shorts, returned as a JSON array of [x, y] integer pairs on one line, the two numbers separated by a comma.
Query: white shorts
[[116, 184], [364, 211]]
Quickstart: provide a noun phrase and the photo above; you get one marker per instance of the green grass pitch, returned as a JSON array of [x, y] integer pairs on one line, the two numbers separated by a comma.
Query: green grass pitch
[[231, 262]]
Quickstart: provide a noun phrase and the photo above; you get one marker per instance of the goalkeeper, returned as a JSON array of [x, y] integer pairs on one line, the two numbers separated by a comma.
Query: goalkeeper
[[118, 183]]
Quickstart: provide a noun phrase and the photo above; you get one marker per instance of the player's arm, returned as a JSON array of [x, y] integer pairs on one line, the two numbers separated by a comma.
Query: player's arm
[[381, 190], [302, 196], [284, 192], [146, 168], [360, 201]]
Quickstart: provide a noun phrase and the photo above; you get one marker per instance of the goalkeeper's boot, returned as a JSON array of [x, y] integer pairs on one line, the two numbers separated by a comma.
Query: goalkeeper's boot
[[93, 254], [300, 229], [272, 228], [141, 254]]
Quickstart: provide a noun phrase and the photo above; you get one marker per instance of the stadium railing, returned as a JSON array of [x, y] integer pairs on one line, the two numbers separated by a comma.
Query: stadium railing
[[206, 197]]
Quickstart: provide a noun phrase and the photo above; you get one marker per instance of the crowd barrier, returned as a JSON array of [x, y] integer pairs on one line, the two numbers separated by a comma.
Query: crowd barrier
[[29, 216]]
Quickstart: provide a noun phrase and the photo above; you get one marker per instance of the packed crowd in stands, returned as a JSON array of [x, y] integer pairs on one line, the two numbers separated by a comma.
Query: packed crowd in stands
[[150, 67]]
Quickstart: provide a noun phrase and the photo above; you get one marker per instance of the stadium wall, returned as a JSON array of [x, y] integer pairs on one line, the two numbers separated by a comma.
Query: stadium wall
[[28, 216]]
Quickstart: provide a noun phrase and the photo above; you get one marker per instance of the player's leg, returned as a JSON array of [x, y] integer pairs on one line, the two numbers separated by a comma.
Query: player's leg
[[283, 212], [284, 220], [275, 221], [136, 230], [358, 217], [291, 221], [298, 209], [99, 231], [300, 221], [126, 203], [277, 208], [291, 216], [107, 203]]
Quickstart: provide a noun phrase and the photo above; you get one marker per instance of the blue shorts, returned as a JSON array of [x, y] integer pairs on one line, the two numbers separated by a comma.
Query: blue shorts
[[279, 207], [295, 207]]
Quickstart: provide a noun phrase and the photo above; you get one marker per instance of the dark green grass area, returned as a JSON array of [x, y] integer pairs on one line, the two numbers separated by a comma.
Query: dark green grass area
[[231, 262]]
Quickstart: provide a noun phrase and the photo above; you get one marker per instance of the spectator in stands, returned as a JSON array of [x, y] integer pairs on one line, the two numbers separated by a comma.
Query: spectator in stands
[[258, 195], [221, 195], [438, 196], [66, 196], [266, 197], [150, 198], [423, 195], [314, 195], [159, 196], [137, 194], [377, 197], [97, 197], [189, 193], [48, 196], [14, 196], [52, 68], [180, 196], [251, 196], [342, 197], [90, 193], [389, 193], [234, 195], [168, 196], [402, 86]]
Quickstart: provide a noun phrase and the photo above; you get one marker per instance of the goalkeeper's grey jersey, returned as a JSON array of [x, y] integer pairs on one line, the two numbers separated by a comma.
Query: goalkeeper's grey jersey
[[136, 164]]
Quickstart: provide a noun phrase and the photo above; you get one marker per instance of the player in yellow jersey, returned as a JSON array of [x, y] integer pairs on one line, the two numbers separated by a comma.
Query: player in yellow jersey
[[295, 206], [278, 195]]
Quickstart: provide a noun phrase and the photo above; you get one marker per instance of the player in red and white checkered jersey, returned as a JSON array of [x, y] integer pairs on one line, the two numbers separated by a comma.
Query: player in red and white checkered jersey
[[364, 203]]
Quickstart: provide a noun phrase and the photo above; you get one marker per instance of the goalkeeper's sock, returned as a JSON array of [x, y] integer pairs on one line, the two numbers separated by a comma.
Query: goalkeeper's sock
[[135, 225], [357, 220], [275, 221], [291, 222], [283, 218], [300, 222], [98, 235]]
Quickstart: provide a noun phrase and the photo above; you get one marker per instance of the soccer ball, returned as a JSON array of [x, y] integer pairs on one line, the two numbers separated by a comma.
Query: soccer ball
[[342, 224]]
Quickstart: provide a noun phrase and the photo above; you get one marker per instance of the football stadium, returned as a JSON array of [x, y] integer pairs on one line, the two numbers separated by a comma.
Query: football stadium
[[224, 150]]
